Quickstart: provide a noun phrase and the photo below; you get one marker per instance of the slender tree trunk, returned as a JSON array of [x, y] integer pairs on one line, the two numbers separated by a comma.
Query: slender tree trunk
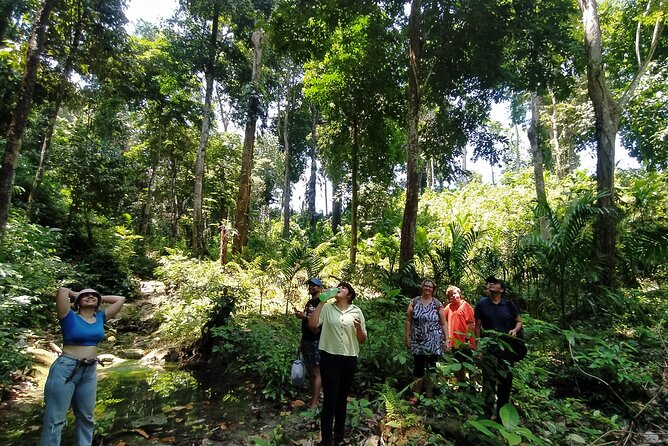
[[286, 143], [243, 198], [224, 114], [44, 152], [537, 158], [355, 196], [148, 205], [222, 255], [175, 199], [557, 155], [337, 206], [311, 192], [197, 244], [60, 94], [20, 116], [406, 249]]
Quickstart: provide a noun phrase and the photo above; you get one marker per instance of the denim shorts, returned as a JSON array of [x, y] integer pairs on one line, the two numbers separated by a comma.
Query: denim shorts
[[310, 352]]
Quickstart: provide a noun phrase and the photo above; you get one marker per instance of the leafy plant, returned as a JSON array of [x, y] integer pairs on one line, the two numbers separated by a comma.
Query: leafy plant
[[510, 430]]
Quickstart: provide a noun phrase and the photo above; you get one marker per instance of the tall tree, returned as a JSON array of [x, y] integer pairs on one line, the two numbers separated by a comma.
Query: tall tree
[[209, 72], [311, 189], [252, 113], [289, 87], [406, 248], [359, 111], [537, 157], [20, 116], [607, 112], [85, 37]]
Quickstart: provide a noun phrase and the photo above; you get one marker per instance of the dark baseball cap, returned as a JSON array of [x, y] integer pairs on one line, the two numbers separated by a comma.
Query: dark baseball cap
[[314, 281], [492, 279]]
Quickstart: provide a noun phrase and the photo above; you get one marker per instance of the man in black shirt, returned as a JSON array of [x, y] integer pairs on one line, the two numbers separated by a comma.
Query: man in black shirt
[[496, 317], [309, 342]]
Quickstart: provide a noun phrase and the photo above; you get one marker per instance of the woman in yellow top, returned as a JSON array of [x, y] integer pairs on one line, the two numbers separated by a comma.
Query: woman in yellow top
[[343, 329]]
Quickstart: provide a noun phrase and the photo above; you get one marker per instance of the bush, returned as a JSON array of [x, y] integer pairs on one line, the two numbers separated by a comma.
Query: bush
[[263, 347]]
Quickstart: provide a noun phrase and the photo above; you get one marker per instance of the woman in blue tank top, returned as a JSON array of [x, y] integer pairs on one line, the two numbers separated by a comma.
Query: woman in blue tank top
[[72, 380]]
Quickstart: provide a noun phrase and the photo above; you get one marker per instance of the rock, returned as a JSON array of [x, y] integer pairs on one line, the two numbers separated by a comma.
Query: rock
[[651, 438], [108, 358], [132, 353], [155, 356], [41, 356], [152, 287], [373, 440], [156, 420]]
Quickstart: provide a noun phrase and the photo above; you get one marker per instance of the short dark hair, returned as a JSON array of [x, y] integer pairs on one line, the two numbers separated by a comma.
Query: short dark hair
[[350, 288]]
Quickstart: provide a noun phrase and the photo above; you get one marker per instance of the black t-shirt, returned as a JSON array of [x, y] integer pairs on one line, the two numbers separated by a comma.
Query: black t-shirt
[[499, 317], [307, 334]]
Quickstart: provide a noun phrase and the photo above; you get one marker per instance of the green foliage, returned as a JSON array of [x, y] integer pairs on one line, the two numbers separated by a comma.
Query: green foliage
[[260, 347], [510, 430], [360, 411], [450, 262], [199, 287], [29, 268], [12, 317], [562, 258], [384, 355]]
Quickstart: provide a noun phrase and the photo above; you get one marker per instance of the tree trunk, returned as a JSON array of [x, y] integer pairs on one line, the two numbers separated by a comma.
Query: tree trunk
[[408, 227], [175, 199], [222, 255], [148, 205], [607, 112], [197, 245], [311, 192], [224, 114], [44, 152], [607, 118], [337, 206], [243, 198], [355, 196], [537, 157], [20, 115], [286, 143], [60, 94], [557, 155]]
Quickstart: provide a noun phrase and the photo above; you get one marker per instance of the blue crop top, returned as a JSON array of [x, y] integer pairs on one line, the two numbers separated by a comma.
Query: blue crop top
[[76, 331]]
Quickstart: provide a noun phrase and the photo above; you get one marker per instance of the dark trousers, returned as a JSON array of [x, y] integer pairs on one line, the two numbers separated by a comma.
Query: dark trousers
[[497, 382], [337, 373]]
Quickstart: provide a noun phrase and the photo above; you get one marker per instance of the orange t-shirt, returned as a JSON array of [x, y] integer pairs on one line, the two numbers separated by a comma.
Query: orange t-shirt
[[459, 321]]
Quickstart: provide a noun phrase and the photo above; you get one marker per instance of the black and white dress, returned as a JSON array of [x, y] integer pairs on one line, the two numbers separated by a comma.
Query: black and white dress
[[426, 333]]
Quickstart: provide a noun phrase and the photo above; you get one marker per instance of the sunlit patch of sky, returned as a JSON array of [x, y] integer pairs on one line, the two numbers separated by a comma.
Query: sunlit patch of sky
[[149, 10]]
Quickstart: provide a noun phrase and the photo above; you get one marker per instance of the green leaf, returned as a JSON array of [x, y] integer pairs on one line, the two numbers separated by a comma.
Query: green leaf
[[576, 438], [512, 437], [509, 416], [478, 425]]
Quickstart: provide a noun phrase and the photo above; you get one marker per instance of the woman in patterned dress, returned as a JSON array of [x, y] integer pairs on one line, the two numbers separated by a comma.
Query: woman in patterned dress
[[426, 333]]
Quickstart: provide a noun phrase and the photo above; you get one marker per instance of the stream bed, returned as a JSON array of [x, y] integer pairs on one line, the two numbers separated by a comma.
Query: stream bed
[[140, 405]]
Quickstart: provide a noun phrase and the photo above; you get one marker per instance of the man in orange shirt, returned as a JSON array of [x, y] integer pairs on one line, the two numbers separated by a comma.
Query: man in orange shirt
[[461, 325]]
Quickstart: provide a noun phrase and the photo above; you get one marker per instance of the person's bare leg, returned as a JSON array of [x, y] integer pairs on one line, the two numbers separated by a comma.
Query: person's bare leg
[[316, 385]]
